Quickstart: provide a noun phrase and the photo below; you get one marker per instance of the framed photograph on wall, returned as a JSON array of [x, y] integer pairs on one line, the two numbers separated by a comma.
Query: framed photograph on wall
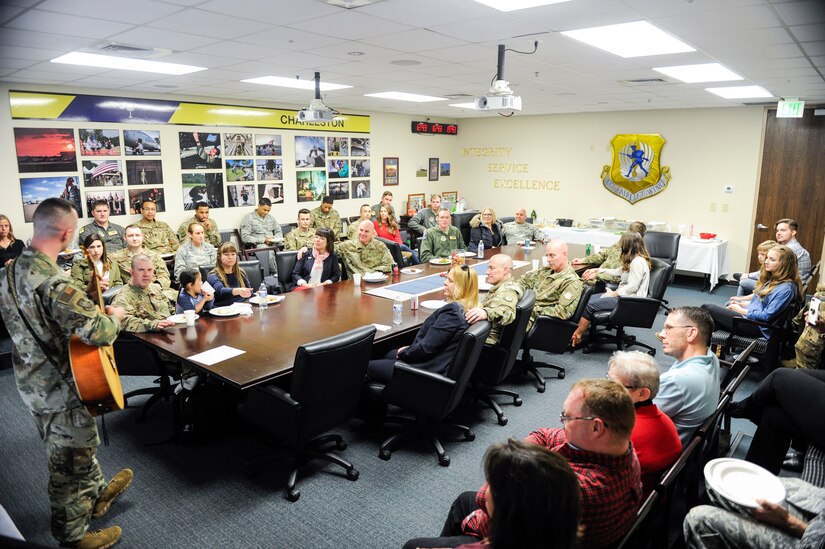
[[433, 169], [449, 196], [415, 202], [390, 170]]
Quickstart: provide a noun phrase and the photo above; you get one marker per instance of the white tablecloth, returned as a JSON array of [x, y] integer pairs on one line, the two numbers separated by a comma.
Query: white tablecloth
[[710, 258], [581, 236]]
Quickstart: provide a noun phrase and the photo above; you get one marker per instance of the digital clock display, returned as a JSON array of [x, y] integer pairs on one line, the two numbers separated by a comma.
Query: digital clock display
[[435, 128]]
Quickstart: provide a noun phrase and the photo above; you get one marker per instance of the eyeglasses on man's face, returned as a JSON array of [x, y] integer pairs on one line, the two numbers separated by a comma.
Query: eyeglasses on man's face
[[565, 418], [666, 328]]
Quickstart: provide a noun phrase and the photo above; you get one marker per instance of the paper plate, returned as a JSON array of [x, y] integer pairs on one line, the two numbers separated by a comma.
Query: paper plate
[[374, 277], [270, 299], [70, 251], [181, 318], [224, 311], [411, 270], [743, 482], [440, 261], [484, 286], [168, 256], [433, 303], [468, 254]]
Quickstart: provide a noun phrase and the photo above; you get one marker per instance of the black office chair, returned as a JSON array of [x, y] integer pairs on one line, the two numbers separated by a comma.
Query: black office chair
[[133, 357], [551, 335], [462, 222], [431, 397], [324, 392], [664, 246], [767, 350], [233, 236], [634, 312], [395, 251], [5, 346], [285, 261], [254, 273], [497, 361]]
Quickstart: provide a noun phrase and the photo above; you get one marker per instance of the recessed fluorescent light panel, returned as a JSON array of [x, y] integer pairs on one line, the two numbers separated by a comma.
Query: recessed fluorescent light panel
[[741, 92], [706, 72], [636, 39], [294, 83], [124, 63], [470, 105], [513, 5], [403, 96]]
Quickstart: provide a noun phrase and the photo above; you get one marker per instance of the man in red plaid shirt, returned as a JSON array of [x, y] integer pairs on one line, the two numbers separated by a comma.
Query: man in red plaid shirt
[[598, 417]]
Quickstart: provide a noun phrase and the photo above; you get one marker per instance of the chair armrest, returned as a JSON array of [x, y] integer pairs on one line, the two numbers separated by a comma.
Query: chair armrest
[[415, 389], [278, 394]]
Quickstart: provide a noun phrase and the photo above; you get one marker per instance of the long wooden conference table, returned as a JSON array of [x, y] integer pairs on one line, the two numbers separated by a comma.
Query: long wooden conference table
[[271, 336]]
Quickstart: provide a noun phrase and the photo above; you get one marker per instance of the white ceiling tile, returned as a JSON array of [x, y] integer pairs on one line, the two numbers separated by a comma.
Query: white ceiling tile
[[341, 51], [653, 9], [801, 13], [498, 27], [124, 11], [578, 14], [207, 23], [72, 25], [721, 20], [809, 33], [757, 51], [350, 25], [62, 43], [416, 40], [814, 48], [732, 39], [148, 37], [286, 38], [8, 63], [8, 12], [274, 12]]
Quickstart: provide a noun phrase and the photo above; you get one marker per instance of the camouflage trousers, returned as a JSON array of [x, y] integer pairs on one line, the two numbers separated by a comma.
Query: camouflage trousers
[[809, 348], [710, 527], [75, 477]]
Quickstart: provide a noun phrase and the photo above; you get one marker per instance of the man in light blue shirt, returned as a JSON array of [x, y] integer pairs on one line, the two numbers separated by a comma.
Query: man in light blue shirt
[[689, 391]]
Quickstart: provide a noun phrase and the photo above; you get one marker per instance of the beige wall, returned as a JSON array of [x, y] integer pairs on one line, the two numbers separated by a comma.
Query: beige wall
[[390, 136], [706, 149]]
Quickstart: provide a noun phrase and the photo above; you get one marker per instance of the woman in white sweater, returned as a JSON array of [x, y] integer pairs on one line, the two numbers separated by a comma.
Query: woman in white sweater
[[635, 279]]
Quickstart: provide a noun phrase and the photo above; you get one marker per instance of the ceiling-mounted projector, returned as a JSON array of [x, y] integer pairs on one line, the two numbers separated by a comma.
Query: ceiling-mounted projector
[[500, 97], [317, 112]]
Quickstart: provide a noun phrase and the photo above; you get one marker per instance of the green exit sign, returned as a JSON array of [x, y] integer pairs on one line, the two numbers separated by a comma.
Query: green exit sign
[[790, 109]]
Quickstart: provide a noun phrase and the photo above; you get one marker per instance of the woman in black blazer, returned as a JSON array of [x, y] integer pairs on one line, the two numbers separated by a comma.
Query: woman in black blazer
[[484, 227], [437, 341], [318, 265]]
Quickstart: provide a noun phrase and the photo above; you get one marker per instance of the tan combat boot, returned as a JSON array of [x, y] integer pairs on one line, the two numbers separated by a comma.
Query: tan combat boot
[[116, 486], [99, 539]]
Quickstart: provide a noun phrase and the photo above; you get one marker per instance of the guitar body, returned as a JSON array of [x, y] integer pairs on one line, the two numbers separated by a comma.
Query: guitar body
[[96, 377]]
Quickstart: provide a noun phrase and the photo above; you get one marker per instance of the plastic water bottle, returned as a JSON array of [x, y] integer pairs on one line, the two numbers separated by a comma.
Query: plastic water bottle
[[397, 310], [480, 249], [262, 297]]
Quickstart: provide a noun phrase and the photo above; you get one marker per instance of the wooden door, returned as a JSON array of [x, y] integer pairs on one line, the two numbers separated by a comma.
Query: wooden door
[[792, 183]]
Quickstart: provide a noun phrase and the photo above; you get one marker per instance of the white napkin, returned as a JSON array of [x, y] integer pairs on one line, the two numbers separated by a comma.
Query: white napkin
[[244, 309]]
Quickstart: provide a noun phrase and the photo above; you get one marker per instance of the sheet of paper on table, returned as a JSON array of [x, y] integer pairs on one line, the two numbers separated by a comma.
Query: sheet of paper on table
[[382, 327], [218, 354]]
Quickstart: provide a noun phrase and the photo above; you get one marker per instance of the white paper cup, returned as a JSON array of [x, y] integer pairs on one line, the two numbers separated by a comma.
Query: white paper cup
[[356, 278], [535, 264], [190, 317]]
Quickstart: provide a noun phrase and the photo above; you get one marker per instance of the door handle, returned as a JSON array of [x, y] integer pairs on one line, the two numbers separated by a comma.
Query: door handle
[[761, 227]]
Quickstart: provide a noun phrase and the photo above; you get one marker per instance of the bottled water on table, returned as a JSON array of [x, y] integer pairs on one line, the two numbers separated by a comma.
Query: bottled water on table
[[262, 297], [397, 310], [480, 249]]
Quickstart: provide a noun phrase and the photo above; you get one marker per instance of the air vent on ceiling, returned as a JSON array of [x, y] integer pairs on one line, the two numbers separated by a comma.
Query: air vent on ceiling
[[760, 103], [134, 52], [644, 81]]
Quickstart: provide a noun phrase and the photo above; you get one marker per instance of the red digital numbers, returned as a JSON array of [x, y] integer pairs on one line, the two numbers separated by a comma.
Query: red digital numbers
[[435, 128]]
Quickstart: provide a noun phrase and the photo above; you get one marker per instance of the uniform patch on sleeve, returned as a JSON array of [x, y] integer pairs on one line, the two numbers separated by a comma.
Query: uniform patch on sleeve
[[568, 295], [69, 296]]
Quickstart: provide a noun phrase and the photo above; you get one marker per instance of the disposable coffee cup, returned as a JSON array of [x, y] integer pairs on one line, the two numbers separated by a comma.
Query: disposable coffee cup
[[356, 278], [535, 264], [190, 317]]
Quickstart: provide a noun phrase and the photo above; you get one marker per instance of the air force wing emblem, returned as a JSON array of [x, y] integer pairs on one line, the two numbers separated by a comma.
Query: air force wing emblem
[[636, 173]]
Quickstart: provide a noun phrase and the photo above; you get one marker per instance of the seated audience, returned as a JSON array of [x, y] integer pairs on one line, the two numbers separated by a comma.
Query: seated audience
[[386, 200], [157, 235], [365, 254], [196, 251], [441, 240], [213, 235], [654, 436], [484, 227], [605, 262], [134, 246], [227, 278], [10, 247], [437, 340], [786, 234], [111, 233], [747, 281], [533, 499], [94, 253], [303, 235], [689, 390], [777, 287], [365, 213], [192, 296], [258, 228], [557, 286], [520, 230], [598, 417], [499, 305], [386, 227], [146, 308], [320, 266], [634, 282], [325, 216], [425, 218]]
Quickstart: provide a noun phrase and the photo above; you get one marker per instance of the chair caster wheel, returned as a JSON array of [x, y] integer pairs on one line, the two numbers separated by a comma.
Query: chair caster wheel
[[586, 350], [385, 455], [560, 375], [353, 474], [469, 435], [444, 461], [502, 421], [541, 388], [517, 401], [341, 445], [652, 352], [293, 496]]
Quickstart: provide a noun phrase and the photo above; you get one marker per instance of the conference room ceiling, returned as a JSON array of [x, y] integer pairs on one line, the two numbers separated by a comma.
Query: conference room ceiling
[[444, 48]]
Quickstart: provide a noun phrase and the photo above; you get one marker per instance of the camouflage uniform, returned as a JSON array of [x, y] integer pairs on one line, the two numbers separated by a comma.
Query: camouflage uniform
[[357, 258], [608, 258], [811, 341], [519, 232], [557, 294], [329, 220], [352, 230], [437, 243], [255, 229], [112, 237], [425, 219], [56, 309], [297, 239], [500, 306], [709, 527], [123, 258], [158, 236], [82, 273], [144, 308], [192, 257], [213, 235]]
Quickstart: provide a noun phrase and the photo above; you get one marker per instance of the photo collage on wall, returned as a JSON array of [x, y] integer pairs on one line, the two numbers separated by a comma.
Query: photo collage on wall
[[257, 159], [347, 168], [201, 164]]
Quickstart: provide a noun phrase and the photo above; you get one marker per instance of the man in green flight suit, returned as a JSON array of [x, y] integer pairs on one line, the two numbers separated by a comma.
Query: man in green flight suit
[[499, 305], [43, 309], [557, 286], [442, 239]]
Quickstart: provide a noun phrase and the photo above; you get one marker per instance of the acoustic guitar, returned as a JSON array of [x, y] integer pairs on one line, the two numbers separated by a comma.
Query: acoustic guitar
[[94, 370]]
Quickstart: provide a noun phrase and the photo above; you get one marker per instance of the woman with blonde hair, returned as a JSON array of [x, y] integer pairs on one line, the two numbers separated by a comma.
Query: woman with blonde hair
[[777, 287], [227, 278], [485, 227], [94, 253], [10, 247], [437, 340]]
